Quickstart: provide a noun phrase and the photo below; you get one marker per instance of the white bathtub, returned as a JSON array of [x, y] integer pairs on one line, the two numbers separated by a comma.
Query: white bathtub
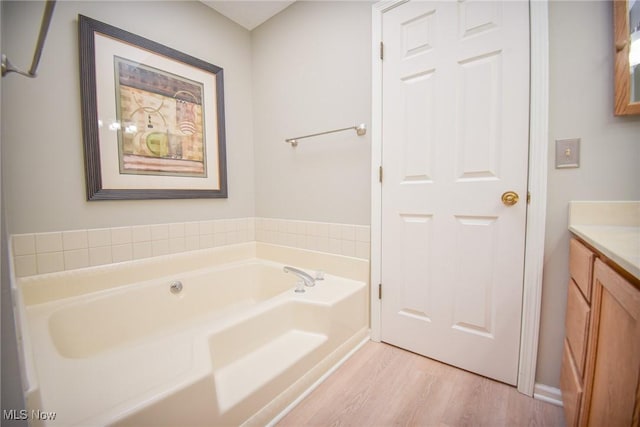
[[235, 346]]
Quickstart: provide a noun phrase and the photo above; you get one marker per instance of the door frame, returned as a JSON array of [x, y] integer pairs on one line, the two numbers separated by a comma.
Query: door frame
[[536, 182]]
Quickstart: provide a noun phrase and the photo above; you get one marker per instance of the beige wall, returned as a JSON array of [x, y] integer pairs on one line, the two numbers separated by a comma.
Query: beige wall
[[581, 105], [44, 179], [311, 73]]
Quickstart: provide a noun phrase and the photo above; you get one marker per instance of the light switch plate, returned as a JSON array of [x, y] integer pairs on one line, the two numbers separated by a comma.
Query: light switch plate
[[567, 153]]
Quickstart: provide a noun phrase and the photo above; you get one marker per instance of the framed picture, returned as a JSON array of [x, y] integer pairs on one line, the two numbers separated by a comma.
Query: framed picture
[[152, 118]]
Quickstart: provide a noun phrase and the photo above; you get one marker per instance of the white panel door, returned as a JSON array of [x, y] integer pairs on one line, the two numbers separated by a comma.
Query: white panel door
[[454, 139]]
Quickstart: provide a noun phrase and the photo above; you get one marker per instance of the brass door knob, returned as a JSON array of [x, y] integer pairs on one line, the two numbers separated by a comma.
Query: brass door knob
[[510, 198]]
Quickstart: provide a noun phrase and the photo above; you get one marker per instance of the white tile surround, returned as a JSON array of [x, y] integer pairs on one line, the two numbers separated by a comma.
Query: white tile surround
[[40, 253]]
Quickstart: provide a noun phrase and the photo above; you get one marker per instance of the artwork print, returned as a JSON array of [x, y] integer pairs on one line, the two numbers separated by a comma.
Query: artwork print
[[153, 122], [161, 122]]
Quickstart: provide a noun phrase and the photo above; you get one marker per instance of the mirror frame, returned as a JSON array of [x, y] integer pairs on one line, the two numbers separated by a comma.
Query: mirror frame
[[621, 37]]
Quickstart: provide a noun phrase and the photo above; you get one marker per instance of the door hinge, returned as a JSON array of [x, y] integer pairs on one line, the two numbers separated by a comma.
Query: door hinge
[[528, 197], [380, 174], [381, 50], [380, 291]]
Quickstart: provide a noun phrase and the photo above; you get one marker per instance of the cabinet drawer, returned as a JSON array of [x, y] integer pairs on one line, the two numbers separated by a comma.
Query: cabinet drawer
[[571, 386], [577, 325], [581, 267]]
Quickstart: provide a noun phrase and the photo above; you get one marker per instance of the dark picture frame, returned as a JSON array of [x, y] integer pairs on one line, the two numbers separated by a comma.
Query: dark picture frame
[[153, 118]]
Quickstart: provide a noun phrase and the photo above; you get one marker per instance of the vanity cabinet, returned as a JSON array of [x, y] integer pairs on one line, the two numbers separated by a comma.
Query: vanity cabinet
[[600, 377]]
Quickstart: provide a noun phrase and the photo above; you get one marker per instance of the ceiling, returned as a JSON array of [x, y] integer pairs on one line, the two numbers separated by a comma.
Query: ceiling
[[249, 14]]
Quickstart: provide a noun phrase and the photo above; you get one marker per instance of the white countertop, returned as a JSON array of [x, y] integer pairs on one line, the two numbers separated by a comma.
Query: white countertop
[[613, 228]]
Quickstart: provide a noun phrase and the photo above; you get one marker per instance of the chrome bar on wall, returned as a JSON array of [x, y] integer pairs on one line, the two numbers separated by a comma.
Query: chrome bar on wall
[[8, 67], [360, 129]]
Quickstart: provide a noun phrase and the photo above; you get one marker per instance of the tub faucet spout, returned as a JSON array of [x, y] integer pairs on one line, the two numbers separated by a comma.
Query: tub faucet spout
[[308, 280]]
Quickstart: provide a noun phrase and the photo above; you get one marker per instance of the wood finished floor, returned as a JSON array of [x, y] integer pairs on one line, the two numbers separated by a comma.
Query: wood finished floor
[[382, 385]]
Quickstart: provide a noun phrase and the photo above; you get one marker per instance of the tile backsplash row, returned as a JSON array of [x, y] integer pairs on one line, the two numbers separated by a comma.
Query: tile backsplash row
[[340, 239], [39, 253]]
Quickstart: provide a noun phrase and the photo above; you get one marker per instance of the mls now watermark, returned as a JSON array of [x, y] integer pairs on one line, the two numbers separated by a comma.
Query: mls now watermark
[[23, 414]]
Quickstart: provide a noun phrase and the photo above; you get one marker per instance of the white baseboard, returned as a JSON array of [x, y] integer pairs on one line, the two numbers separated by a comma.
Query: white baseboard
[[547, 394]]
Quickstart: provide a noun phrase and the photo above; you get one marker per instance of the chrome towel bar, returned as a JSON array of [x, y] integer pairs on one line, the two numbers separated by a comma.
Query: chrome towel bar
[[360, 129], [8, 67]]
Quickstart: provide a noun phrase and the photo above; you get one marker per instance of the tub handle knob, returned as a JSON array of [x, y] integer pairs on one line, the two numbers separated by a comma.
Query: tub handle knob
[[176, 287], [319, 275], [300, 286]]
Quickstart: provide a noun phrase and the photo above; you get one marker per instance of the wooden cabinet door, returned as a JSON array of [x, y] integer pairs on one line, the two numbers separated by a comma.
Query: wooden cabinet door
[[571, 386], [615, 334]]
